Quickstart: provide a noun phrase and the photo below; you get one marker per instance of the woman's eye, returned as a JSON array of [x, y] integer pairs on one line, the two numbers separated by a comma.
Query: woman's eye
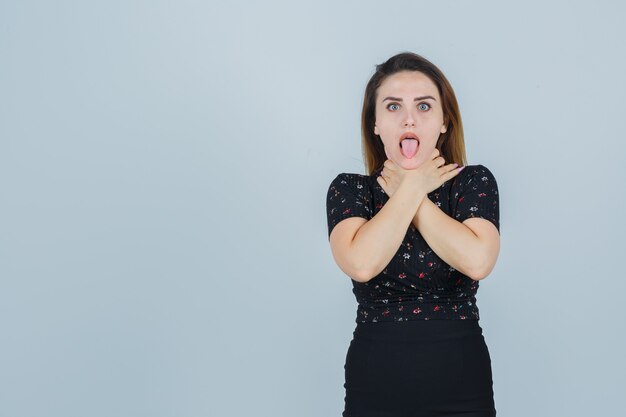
[[422, 106]]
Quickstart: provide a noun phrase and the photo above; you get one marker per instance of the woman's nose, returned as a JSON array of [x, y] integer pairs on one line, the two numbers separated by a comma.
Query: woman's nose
[[409, 122], [409, 119]]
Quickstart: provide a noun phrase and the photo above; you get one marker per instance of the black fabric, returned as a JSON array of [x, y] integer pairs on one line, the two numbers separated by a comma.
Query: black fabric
[[416, 284], [420, 368]]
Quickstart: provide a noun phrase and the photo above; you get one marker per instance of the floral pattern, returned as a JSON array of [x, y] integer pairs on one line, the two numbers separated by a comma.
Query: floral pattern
[[416, 284]]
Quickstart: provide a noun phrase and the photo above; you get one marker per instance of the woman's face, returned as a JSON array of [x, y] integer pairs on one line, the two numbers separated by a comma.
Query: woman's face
[[408, 101]]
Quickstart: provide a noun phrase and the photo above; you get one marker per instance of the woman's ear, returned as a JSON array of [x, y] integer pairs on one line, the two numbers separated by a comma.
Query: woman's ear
[[444, 127]]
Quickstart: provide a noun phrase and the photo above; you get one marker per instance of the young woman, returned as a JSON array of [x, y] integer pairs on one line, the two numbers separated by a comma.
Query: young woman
[[416, 236]]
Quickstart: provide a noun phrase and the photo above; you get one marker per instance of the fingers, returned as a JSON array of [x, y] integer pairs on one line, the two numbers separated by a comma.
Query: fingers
[[453, 170], [383, 184]]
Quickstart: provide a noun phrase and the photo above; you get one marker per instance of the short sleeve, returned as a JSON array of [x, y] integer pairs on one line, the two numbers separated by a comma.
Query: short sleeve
[[476, 195], [348, 196]]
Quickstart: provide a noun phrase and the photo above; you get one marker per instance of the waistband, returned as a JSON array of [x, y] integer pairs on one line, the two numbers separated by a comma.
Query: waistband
[[417, 330]]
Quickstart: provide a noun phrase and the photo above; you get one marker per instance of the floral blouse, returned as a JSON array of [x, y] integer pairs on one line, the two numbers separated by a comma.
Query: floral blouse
[[416, 284]]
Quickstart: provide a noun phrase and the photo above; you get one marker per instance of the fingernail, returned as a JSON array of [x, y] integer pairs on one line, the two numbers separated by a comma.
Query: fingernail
[[461, 168]]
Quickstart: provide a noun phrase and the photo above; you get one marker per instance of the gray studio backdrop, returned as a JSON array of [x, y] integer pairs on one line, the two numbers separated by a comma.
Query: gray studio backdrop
[[164, 168]]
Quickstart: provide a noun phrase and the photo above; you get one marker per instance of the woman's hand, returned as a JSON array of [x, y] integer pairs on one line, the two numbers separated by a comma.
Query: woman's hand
[[426, 178]]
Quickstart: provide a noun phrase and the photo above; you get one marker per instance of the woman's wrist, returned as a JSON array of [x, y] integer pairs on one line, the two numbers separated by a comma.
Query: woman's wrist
[[414, 190]]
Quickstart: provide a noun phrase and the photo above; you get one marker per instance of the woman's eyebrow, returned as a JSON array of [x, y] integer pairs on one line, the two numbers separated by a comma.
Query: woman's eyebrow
[[415, 99]]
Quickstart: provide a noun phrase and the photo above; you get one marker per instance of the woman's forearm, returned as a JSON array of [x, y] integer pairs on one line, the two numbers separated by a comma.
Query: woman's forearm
[[450, 239], [378, 240]]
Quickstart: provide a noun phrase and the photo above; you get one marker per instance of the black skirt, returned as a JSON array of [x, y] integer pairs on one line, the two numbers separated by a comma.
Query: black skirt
[[418, 368]]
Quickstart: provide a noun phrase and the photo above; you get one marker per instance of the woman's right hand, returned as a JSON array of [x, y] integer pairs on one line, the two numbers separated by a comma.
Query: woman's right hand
[[431, 174]]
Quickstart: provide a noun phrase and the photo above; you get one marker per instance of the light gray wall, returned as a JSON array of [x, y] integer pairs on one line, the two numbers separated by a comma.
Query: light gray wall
[[164, 168]]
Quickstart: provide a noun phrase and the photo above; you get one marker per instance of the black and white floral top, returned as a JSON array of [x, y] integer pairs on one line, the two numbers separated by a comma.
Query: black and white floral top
[[416, 284]]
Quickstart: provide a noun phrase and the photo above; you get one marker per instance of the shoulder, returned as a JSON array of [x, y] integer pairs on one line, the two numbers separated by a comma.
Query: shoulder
[[347, 180], [353, 187], [474, 170], [473, 175], [348, 176]]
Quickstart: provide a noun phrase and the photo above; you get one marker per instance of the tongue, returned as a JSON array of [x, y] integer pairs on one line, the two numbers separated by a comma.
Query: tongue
[[408, 148]]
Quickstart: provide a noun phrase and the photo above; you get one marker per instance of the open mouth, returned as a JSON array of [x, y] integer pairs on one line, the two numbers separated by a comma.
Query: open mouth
[[409, 147]]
